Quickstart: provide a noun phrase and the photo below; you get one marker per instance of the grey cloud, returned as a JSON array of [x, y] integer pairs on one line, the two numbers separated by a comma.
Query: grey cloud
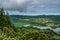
[[14, 4], [30, 5]]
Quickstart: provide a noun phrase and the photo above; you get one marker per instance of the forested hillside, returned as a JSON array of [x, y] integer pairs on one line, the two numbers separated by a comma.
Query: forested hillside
[[9, 32]]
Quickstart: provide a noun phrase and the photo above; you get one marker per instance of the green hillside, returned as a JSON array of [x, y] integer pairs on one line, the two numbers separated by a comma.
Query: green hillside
[[9, 32]]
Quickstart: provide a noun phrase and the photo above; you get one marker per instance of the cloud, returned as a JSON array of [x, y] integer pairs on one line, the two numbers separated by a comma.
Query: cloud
[[19, 5], [31, 5]]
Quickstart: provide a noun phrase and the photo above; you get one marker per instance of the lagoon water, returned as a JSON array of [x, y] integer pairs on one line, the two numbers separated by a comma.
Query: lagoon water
[[44, 27], [18, 24], [57, 30]]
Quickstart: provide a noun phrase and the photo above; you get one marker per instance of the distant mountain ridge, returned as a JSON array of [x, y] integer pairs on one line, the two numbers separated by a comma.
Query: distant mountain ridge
[[37, 16]]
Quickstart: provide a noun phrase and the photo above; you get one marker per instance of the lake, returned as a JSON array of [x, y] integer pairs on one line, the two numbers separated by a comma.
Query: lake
[[41, 27], [20, 24]]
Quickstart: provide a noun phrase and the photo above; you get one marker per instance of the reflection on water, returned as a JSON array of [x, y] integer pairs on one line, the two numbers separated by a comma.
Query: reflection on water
[[57, 30], [44, 27]]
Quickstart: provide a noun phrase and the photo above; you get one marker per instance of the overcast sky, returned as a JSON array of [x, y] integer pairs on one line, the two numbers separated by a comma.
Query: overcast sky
[[31, 7]]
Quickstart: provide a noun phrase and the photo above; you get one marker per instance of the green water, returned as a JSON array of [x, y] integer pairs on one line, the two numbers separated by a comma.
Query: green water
[[19, 24]]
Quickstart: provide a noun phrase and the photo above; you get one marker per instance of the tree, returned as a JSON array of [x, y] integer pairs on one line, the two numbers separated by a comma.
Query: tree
[[1, 11], [35, 35], [4, 19]]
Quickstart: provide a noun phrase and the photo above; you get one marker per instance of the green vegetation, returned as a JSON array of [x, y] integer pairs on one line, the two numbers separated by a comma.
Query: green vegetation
[[9, 32], [49, 22]]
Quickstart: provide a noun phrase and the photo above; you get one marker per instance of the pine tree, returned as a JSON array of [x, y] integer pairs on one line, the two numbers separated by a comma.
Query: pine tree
[[4, 19], [1, 11], [1, 16]]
